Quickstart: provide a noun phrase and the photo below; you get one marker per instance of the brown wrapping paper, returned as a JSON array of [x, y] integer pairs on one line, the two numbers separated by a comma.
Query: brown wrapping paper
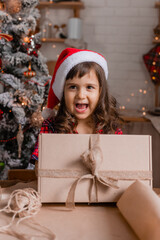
[[85, 222], [140, 206]]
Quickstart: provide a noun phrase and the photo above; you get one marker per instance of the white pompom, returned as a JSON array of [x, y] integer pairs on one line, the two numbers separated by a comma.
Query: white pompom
[[48, 113]]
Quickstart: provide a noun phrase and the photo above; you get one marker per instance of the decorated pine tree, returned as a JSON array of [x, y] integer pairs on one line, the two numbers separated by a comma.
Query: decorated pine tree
[[25, 80]]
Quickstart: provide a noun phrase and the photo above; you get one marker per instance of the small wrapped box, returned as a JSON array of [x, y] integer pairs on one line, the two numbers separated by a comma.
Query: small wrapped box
[[91, 168]]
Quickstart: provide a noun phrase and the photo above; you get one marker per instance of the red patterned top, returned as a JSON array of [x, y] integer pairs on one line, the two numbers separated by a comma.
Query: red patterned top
[[48, 127]]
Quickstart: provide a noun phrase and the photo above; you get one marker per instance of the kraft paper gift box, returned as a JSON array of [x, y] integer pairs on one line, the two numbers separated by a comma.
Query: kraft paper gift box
[[91, 168]]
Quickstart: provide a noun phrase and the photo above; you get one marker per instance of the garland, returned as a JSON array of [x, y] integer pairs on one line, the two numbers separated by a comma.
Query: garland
[[13, 138], [29, 80], [42, 85]]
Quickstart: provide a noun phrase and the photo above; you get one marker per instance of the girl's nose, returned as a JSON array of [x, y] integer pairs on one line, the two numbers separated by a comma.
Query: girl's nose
[[81, 93]]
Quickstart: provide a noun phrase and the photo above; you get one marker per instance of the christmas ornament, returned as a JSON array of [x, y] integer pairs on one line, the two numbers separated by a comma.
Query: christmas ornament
[[2, 6], [30, 46], [2, 165], [29, 73], [20, 97], [6, 36], [13, 6], [59, 31], [20, 138], [26, 39], [33, 47], [24, 101], [152, 62], [1, 114], [36, 118]]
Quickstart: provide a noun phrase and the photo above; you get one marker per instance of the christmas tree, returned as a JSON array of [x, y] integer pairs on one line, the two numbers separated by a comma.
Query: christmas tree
[[24, 76]]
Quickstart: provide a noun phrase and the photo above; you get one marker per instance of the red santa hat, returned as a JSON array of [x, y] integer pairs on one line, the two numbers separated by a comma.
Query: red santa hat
[[69, 58]]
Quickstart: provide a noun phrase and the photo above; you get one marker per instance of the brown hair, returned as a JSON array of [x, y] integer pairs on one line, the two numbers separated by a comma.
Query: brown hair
[[105, 116]]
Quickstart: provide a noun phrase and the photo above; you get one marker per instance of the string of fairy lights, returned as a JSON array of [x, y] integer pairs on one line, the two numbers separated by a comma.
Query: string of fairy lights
[[141, 93]]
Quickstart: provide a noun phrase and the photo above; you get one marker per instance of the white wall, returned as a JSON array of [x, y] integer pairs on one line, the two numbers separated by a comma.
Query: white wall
[[121, 30]]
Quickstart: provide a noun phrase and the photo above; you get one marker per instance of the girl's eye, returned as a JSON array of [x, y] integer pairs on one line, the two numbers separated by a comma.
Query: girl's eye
[[72, 87], [90, 87]]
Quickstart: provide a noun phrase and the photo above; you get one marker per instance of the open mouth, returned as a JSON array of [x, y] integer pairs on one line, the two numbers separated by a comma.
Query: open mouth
[[81, 107]]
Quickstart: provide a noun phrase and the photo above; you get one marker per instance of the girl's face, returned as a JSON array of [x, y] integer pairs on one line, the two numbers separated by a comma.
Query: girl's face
[[82, 95]]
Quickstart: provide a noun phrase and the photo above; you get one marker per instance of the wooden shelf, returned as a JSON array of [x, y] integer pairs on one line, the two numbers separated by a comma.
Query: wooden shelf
[[57, 40], [61, 4], [75, 6]]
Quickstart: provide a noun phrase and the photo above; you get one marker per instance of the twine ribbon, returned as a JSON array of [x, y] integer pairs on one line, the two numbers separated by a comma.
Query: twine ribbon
[[92, 159]]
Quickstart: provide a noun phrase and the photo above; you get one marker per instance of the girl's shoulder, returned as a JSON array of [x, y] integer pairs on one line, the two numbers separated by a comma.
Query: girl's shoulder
[[48, 126], [118, 131]]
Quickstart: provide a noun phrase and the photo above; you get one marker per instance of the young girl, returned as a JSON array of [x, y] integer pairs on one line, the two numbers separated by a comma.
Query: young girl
[[79, 83]]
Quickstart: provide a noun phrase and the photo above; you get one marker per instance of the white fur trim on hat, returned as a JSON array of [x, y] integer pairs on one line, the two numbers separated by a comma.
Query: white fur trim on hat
[[70, 62]]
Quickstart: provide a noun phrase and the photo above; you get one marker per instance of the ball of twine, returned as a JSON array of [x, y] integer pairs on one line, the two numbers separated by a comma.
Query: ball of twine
[[24, 202]]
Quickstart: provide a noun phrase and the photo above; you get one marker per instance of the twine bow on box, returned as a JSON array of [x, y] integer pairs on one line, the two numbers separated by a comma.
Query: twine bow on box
[[92, 158]]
